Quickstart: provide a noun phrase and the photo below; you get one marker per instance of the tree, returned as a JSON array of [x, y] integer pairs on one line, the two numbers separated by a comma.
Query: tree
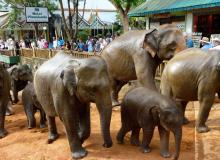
[[70, 31], [18, 6], [123, 7]]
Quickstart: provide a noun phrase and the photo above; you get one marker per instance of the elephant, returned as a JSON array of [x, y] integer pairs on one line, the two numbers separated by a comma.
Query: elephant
[[20, 76], [146, 108], [31, 105], [4, 98], [193, 75], [137, 54], [65, 87]]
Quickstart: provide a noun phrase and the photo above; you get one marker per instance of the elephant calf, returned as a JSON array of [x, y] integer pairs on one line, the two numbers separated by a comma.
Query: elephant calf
[[145, 108], [4, 98], [193, 75], [31, 105], [20, 76]]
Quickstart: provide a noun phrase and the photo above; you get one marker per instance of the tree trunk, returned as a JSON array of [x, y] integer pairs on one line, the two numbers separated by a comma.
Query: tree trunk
[[125, 22], [77, 20], [36, 30], [70, 20], [64, 21]]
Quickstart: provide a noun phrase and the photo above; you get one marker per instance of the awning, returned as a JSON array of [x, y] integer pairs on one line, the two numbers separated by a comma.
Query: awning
[[164, 6]]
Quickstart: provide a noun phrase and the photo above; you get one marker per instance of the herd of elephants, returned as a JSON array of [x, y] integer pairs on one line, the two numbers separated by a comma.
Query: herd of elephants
[[65, 86]]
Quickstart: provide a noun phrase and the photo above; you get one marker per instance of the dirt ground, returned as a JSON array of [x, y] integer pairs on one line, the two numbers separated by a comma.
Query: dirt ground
[[25, 144]]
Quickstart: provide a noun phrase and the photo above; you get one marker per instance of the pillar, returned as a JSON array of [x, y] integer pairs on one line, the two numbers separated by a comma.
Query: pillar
[[147, 20], [189, 22]]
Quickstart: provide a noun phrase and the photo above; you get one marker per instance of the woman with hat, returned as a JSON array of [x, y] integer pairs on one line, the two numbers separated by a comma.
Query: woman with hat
[[216, 43]]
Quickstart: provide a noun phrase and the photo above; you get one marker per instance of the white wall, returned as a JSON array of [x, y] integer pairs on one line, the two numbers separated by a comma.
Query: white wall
[[189, 22]]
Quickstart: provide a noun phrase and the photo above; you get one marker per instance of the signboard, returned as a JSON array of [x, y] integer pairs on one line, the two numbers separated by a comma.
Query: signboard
[[36, 14], [196, 37]]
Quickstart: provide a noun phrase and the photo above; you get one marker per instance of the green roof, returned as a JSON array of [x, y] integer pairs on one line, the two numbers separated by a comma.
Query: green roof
[[164, 6]]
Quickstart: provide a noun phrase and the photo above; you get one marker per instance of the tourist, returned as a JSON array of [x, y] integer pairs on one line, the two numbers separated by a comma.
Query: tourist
[[90, 45], [189, 41], [22, 44], [55, 42], [205, 43], [98, 45], [68, 46], [80, 45], [216, 44], [2, 43], [10, 43], [60, 43]]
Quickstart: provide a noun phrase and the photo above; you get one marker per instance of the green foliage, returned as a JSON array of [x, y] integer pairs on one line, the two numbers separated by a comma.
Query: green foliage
[[83, 34]]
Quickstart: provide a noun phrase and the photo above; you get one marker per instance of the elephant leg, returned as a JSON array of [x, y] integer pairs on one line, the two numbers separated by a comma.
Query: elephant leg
[[206, 102], [15, 95], [122, 132], [147, 136], [105, 120], [3, 132], [182, 106], [53, 135], [29, 110], [164, 142], [9, 111], [135, 136], [84, 119], [42, 119], [116, 87], [70, 118]]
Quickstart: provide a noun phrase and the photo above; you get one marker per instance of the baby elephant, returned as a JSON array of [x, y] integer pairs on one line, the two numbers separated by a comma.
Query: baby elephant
[[145, 108], [31, 105]]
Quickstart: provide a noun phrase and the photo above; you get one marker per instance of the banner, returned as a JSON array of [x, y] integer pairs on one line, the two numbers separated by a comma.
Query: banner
[[36, 14]]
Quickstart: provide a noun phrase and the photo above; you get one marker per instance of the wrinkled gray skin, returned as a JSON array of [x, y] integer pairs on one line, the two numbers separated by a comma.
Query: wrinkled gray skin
[[145, 108], [4, 98], [137, 54], [193, 75], [65, 87], [20, 76], [31, 105]]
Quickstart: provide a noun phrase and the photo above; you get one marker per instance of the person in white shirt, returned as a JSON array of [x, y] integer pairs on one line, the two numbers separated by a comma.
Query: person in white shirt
[[54, 43]]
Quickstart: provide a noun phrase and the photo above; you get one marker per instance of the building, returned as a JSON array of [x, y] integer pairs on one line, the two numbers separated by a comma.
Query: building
[[201, 16]]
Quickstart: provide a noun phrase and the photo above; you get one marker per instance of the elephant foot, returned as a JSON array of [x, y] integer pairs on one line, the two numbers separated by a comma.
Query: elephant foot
[[52, 137], [120, 139], [202, 129], [79, 154], [108, 144], [9, 113], [3, 133], [165, 154], [185, 120], [43, 125], [115, 103], [146, 149], [135, 142]]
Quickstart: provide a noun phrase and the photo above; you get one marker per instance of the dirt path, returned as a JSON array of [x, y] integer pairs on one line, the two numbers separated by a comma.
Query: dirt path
[[24, 144]]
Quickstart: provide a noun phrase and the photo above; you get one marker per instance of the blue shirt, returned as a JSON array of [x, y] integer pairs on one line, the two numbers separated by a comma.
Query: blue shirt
[[207, 46], [189, 43]]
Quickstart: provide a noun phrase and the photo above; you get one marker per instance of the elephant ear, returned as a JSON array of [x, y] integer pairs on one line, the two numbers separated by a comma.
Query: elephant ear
[[13, 72], [155, 112], [150, 43], [69, 77]]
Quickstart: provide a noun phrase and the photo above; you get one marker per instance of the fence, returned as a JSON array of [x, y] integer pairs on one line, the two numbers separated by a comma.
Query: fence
[[35, 57]]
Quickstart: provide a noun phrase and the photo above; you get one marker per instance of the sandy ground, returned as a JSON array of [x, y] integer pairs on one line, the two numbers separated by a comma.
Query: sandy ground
[[24, 144]]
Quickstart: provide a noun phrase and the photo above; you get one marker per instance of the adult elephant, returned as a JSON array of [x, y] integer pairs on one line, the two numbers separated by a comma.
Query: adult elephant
[[137, 54], [20, 76], [65, 87], [193, 75], [4, 98]]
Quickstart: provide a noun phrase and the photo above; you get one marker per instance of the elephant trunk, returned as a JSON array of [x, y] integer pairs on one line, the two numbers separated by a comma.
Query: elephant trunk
[[178, 139], [104, 106]]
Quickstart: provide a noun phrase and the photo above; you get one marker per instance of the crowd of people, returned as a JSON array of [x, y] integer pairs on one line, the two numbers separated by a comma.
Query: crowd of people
[[92, 44], [205, 43]]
